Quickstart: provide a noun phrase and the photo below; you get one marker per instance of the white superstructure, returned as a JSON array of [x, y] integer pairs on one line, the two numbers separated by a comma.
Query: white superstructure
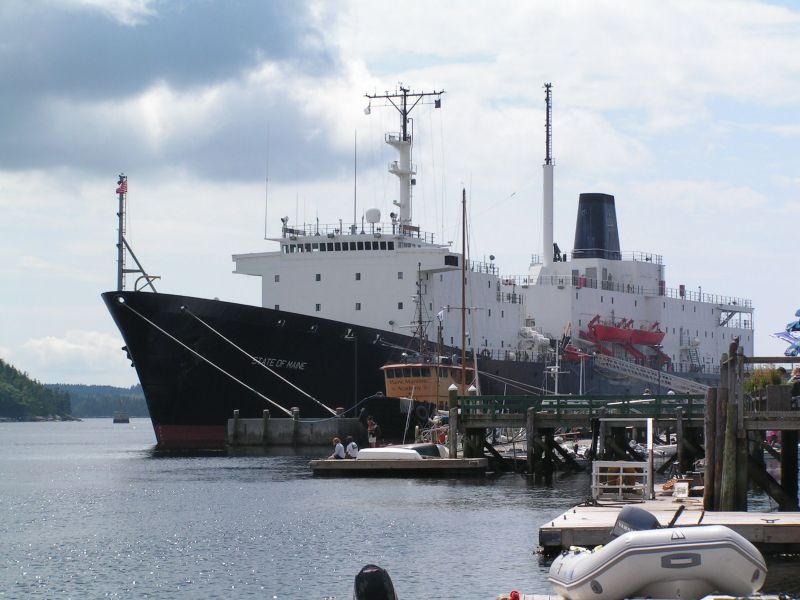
[[376, 274]]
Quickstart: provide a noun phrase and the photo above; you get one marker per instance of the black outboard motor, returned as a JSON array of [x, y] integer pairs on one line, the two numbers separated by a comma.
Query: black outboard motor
[[373, 583], [633, 518]]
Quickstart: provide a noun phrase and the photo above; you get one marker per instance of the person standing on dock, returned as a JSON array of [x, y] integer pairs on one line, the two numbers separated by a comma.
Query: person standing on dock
[[373, 431], [338, 449], [352, 448]]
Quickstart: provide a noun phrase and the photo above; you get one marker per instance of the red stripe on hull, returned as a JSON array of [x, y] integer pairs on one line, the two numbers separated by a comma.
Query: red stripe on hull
[[198, 437]]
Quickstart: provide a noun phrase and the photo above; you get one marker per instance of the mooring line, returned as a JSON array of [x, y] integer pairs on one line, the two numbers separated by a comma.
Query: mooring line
[[253, 358], [203, 358]]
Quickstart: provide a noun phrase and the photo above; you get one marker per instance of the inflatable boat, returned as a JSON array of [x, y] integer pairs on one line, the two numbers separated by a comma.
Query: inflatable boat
[[648, 561]]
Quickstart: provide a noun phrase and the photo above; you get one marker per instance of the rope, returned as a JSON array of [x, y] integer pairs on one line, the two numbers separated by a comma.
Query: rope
[[203, 358], [517, 384], [243, 351]]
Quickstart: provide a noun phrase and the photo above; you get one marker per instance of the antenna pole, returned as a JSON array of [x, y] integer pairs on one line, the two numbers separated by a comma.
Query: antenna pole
[[122, 191], [355, 175], [266, 187], [547, 180]]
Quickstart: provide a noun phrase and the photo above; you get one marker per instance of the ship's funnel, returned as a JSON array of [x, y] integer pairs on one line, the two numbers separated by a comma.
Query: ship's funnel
[[596, 234]]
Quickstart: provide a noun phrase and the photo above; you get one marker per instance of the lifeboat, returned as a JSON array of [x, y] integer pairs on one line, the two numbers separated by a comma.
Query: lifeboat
[[648, 561]]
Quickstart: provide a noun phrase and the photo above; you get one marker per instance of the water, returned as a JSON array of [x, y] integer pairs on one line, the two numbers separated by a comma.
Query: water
[[88, 510]]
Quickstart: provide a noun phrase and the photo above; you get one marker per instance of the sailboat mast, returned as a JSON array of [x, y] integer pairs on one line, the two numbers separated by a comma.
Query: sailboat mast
[[463, 290]]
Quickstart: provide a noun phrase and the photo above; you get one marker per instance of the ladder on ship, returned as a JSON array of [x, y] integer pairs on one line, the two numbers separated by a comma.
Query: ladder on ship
[[694, 358], [648, 375]]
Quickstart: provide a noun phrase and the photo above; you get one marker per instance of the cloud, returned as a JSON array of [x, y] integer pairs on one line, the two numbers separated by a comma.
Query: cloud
[[80, 356]]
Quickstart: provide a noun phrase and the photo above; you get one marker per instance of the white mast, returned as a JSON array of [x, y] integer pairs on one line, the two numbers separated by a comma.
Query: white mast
[[401, 142], [547, 196]]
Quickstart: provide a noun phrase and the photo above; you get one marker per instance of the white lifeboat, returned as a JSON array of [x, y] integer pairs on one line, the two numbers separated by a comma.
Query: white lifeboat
[[678, 562]]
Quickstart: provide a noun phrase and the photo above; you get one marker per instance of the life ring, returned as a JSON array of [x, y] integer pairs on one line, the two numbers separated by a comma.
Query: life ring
[[486, 353], [421, 412]]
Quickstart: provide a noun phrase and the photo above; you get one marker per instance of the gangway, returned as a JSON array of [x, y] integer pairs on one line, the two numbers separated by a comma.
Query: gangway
[[648, 375]]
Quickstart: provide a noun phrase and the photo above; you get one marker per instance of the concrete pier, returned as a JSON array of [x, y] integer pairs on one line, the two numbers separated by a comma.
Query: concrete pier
[[266, 431]]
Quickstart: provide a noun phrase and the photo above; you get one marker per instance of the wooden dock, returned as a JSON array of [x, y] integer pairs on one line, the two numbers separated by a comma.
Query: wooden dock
[[591, 525], [437, 467]]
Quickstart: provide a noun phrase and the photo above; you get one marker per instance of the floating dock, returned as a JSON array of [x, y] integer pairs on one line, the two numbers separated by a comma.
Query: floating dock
[[436, 467], [591, 525]]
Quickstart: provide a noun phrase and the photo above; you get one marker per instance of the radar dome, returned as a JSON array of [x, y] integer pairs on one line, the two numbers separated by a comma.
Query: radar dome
[[373, 215]]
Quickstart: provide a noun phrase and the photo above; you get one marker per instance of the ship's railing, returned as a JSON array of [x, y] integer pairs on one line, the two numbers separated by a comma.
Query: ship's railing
[[482, 267], [636, 256], [730, 302], [377, 230]]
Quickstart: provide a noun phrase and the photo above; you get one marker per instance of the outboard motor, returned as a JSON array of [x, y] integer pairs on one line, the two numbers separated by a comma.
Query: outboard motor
[[373, 583], [633, 518]]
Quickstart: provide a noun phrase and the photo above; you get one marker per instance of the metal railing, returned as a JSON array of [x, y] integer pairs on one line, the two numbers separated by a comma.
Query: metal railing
[[620, 480], [590, 406]]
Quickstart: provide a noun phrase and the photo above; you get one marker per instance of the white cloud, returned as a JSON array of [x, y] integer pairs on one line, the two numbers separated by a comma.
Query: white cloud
[[79, 356], [126, 12]]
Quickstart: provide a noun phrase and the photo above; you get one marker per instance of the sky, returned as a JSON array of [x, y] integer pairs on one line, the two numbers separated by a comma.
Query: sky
[[227, 115]]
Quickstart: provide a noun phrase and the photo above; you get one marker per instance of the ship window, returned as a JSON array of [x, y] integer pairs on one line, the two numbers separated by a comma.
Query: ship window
[[683, 308], [318, 276], [430, 306], [695, 309], [406, 371], [358, 276], [579, 322], [319, 307], [330, 246], [352, 245], [441, 277], [390, 373], [490, 283], [308, 247], [314, 247], [360, 245], [358, 305], [323, 247], [338, 246], [345, 247], [383, 245], [664, 305], [416, 372], [490, 312], [399, 274], [285, 248], [277, 278], [502, 314], [502, 344], [601, 298], [399, 306], [442, 372], [451, 340], [636, 303], [390, 245], [612, 299], [576, 295]]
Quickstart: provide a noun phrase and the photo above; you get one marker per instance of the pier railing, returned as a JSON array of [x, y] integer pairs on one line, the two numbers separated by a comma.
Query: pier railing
[[512, 410]]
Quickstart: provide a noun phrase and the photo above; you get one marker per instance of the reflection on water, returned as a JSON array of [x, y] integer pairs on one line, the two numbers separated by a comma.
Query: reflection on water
[[90, 510]]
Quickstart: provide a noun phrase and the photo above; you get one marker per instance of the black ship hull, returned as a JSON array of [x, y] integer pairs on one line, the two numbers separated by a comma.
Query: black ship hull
[[198, 360]]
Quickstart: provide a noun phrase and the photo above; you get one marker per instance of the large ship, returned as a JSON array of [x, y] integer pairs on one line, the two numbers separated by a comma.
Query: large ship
[[341, 301]]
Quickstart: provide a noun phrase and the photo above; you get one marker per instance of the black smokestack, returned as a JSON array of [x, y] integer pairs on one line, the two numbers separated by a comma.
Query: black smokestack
[[596, 234]]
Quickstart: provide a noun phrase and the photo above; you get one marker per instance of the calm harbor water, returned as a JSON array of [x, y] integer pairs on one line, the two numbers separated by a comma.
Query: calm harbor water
[[88, 510]]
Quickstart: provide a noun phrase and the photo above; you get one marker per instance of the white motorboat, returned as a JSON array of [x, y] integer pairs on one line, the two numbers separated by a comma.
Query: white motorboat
[[678, 562], [404, 452]]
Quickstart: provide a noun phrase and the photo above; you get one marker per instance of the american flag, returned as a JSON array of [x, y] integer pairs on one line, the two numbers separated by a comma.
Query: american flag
[[123, 186]]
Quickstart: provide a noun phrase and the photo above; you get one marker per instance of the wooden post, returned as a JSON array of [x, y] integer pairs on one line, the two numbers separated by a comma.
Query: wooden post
[[295, 425], [235, 425], [593, 450], [265, 427], [741, 432], [601, 443], [530, 437], [709, 440], [547, 459], [728, 489], [719, 448], [452, 405]]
